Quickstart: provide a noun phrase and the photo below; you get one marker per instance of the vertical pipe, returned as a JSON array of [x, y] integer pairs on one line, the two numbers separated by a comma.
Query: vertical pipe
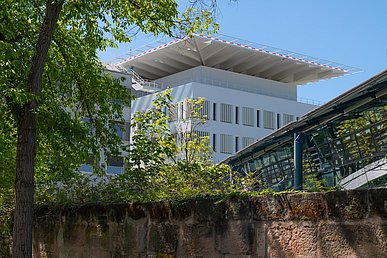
[[298, 178]]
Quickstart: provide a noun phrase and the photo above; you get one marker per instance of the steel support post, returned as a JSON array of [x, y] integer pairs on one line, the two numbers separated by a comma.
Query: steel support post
[[298, 177]]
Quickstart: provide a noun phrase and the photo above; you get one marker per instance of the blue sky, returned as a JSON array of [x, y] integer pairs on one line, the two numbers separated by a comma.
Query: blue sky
[[351, 32]]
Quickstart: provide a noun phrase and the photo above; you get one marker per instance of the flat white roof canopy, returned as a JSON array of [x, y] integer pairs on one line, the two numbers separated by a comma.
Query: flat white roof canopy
[[234, 55]]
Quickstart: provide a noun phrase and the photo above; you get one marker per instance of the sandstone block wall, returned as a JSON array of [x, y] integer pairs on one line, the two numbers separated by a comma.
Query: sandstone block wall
[[336, 224]]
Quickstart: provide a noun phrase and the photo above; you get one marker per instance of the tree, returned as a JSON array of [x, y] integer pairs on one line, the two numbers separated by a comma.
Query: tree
[[193, 143], [156, 167], [169, 158], [51, 77], [181, 142]]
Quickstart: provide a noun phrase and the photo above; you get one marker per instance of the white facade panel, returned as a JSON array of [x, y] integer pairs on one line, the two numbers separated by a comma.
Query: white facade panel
[[287, 118], [246, 141], [231, 80], [248, 116], [257, 102], [226, 114], [226, 145], [268, 119], [220, 107]]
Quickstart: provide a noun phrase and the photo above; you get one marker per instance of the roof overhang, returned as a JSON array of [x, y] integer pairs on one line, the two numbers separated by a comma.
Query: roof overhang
[[162, 58]]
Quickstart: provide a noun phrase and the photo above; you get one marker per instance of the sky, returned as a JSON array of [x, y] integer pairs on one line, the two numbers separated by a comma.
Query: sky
[[350, 32]]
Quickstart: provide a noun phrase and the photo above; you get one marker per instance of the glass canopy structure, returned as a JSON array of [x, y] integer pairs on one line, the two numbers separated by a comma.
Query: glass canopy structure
[[343, 143]]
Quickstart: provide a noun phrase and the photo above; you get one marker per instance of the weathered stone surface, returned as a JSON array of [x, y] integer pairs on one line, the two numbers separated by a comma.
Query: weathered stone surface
[[309, 206], [197, 240], [353, 239], [343, 205], [269, 207], [210, 209], [292, 239], [160, 211], [48, 229], [73, 234], [136, 211], [337, 224], [163, 238], [234, 237], [83, 239], [135, 236], [378, 202], [238, 208], [260, 240], [181, 210]]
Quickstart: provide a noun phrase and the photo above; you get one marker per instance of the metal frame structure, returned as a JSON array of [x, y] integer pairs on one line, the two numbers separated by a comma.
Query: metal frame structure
[[341, 138]]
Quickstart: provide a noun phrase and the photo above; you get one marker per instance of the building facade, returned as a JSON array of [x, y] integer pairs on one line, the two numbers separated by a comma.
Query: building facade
[[240, 109], [250, 90]]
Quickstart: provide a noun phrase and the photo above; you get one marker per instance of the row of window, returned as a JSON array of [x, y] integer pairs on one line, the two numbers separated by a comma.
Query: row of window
[[114, 165], [228, 113], [229, 144], [251, 118]]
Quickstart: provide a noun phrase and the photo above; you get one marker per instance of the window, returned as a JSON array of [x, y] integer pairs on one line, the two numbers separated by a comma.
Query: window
[[287, 118], [248, 116], [205, 111], [119, 129], [214, 111], [268, 119], [237, 115], [225, 113], [236, 143], [115, 165], [258, 119], [246, 141], [214, 142], [87, 166], [225, 143], [201, 136], [188, 108], [278, 121], [181, 110], [173, 111]]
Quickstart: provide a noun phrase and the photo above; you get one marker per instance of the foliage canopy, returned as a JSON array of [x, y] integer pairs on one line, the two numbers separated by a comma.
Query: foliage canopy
[[154, 168], [51, 79]]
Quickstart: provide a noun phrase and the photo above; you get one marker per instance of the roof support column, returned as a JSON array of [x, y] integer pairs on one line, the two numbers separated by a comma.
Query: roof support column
[[298, 176]]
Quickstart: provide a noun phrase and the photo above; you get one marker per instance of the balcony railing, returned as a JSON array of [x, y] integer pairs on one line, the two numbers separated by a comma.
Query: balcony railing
[[309, 101]]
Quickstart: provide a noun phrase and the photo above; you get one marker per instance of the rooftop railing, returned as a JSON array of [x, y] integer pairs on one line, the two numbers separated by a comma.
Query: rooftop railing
[[145, 83], [309, 101]]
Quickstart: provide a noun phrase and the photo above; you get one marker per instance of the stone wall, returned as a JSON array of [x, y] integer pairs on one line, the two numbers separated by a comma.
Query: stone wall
[[336, 224]]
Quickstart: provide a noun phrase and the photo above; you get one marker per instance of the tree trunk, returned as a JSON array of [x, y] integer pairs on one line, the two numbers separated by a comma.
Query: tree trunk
[[26, 144]]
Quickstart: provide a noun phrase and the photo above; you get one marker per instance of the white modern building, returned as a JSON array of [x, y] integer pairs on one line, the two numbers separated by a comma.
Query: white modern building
[[249, 89]]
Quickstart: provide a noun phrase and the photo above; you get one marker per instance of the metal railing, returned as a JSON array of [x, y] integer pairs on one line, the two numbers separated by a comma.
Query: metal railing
[[145, 83], [309, 101]]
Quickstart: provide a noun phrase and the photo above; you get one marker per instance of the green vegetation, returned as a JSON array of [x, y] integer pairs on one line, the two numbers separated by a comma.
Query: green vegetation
[[161, 164], [54, 91]]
